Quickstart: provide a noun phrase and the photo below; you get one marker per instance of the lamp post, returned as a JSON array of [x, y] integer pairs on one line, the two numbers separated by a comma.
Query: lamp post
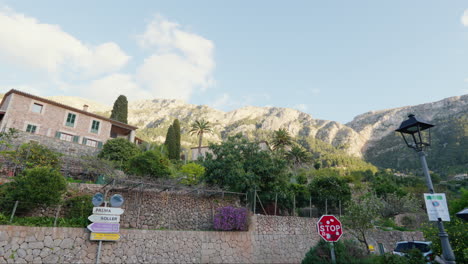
[[419, 137]]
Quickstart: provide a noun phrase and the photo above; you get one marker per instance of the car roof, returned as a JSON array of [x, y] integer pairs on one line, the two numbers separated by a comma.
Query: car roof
[[415, 241]]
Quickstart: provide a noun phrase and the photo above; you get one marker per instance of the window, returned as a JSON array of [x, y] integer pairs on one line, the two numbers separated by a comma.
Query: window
[[95, 126], [37, 108], [66, 137], [71, 120], [90, 142], [31, 129]]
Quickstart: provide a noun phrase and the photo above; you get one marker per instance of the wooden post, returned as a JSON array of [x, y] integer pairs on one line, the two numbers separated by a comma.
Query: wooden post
[[310, 206], [255, 200], [294, 205], [57, 214], [14, 211], [276, 202]]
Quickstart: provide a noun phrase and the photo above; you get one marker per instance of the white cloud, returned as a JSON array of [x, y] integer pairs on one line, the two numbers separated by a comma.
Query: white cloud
[[26, 41], [107, 89], [464, 18], [222, 101], [301, 107], [180, 62]]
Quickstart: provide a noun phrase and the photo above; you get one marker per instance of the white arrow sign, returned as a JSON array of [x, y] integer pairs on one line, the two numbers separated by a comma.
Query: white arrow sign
[[107, 211], [104, 218]]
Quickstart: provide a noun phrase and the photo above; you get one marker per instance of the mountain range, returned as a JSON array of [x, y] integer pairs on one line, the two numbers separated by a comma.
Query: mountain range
[[370, 135]]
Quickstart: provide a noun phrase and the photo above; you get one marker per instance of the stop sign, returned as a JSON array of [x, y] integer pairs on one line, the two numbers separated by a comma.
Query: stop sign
[[329, 228]]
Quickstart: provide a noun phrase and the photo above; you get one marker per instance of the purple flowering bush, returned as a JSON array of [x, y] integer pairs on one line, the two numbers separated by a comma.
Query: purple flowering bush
[[230, 218]]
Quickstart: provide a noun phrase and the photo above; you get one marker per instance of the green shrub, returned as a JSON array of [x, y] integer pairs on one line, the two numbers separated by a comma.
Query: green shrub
[[49, 221], [119, 150], [32, 155], [79, 206], [3, 219], [150, 163], [346, 252], [390, 258], [192, 172], [41, 185]]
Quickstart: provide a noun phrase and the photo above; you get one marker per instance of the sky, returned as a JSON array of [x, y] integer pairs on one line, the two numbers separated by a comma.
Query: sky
[[331, 59]]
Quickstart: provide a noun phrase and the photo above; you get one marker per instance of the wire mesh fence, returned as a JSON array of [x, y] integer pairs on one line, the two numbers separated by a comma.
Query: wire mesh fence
[[280, 204]]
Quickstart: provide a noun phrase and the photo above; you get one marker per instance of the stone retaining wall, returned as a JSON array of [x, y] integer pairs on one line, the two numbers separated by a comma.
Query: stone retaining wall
[[270, 239], [149, 209], [65, 147]]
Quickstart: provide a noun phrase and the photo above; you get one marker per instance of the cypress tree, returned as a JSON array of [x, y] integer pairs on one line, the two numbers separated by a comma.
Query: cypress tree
[[176, 127], [120, 109], [171, 143]]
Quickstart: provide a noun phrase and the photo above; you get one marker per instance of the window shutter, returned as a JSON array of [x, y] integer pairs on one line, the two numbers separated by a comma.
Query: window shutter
[[57, 134], [84, 140], [99, 144], [75, 139]]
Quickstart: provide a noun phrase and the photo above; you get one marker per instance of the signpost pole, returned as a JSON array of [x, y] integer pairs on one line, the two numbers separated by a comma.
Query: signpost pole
[[99, 252], [332, 251]]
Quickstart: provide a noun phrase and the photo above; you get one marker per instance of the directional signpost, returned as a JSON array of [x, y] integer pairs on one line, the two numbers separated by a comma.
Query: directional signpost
[[105, 237], [104, 218], [105, 226], [330, 229]]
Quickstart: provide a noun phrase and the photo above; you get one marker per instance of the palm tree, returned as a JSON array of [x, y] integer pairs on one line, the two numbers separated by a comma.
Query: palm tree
[[298, 156], [281, 139], [200, 127]]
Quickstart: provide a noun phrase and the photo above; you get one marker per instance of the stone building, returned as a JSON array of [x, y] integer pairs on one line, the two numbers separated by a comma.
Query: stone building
[[50, 119], [263, 145]]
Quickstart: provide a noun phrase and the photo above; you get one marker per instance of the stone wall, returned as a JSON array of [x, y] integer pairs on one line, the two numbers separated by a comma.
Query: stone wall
[[65, 147], [270, 239], [149, 209]]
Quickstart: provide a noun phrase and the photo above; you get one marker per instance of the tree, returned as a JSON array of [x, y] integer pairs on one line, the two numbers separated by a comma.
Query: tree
[[281, 139], [192, 172], [30, 155], [118, 149], [176, 126], [298, 156], [6, 138], [199, 128], [120, 109], [150, 163], [40, 185], [239, 165], [328, 186], [171, 143], [359, 217]]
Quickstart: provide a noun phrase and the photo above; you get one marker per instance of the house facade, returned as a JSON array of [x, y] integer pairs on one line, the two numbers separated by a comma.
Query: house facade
[[43, 117], [263, 145]]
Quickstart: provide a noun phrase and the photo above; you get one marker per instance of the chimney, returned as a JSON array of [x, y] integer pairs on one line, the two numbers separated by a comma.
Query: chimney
[[85, 108]]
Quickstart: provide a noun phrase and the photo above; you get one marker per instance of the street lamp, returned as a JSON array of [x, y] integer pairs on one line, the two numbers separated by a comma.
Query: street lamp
[[419, 137]]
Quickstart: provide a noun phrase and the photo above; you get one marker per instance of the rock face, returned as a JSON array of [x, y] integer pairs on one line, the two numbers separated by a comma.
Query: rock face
[[373, 126], [153, 117]]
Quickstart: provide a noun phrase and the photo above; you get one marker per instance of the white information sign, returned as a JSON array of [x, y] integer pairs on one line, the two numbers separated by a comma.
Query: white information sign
[[107, 211], [104, 218], [436, 206]]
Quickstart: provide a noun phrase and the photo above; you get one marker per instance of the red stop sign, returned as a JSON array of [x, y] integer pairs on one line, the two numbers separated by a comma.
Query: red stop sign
[[329, 228]]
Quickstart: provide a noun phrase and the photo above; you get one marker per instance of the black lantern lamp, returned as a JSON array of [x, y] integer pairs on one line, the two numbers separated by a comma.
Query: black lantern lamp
[[413, 128]]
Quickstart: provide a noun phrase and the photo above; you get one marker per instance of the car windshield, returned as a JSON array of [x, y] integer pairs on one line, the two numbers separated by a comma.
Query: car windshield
[[405, 247], [422, 247]]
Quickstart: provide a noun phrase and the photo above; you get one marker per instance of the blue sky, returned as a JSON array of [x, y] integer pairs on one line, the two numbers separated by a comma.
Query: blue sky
[[331, 59]]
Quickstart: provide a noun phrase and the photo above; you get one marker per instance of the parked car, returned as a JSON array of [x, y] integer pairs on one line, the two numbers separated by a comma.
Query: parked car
[[403, 247]]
